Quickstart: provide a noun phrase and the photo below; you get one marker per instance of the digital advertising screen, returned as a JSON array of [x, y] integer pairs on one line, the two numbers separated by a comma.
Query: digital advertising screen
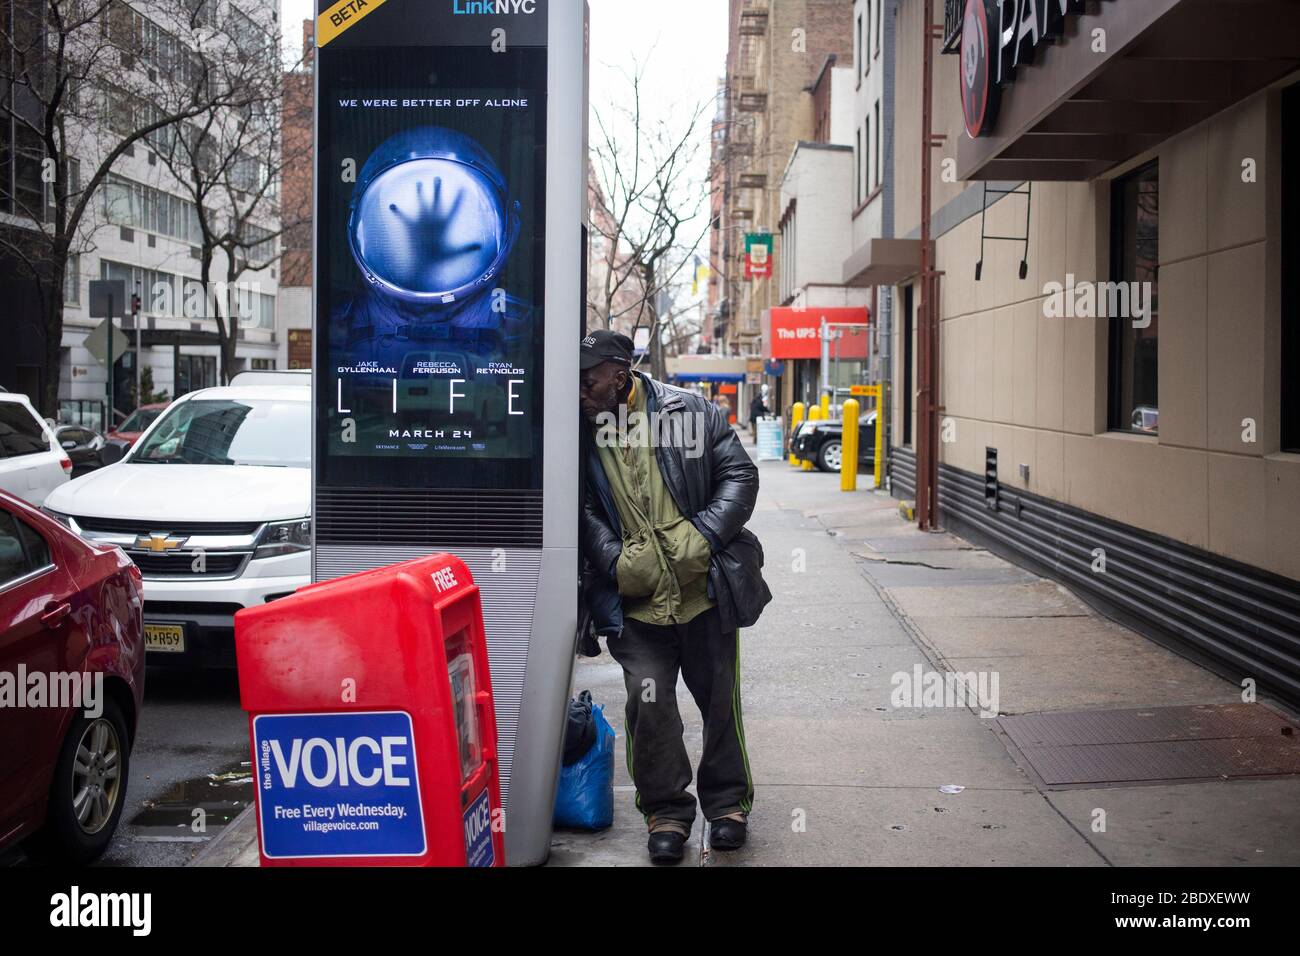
[[430, 206]]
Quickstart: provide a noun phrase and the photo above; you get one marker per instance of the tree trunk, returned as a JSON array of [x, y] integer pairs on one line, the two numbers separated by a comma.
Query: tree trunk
[[48, 401], [231, 340]]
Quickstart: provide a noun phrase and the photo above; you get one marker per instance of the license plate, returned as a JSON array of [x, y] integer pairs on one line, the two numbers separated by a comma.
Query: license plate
[[165, 638]]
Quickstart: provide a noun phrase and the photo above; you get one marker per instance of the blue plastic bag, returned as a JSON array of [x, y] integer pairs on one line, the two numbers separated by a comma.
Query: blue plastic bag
[[585, 797]]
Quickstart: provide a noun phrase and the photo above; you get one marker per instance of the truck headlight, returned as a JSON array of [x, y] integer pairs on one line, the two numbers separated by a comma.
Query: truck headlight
[[284, 537]]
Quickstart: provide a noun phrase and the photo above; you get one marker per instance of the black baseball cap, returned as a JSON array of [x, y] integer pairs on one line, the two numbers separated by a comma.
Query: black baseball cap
[[603, 346]]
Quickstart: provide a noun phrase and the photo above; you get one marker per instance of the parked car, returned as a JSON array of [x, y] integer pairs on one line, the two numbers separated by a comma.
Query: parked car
[[1146, 418], [67, 607], [136, 424], [31, 462], [213, 503], [82, 445], [821, 442]]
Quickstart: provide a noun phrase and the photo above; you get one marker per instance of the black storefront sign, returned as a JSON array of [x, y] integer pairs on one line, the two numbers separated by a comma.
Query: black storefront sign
[[998, 36]]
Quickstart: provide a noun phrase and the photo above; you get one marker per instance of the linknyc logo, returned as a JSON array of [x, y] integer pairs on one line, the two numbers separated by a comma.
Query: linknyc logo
[[471, 7]]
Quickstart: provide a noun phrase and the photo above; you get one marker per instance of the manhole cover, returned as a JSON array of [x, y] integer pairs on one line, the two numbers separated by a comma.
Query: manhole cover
[[1155, 744]]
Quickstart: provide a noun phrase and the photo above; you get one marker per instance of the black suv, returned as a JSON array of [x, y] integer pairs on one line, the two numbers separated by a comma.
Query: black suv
[[821, 442]]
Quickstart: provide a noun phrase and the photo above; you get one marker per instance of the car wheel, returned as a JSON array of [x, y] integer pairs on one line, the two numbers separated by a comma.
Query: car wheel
[[830, 456], [88, 790]]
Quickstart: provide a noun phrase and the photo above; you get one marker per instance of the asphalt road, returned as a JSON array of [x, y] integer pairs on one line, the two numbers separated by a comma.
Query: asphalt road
[[190, 754]]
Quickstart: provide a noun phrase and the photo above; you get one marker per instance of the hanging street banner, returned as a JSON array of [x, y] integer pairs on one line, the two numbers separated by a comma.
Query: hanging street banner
[[758, 255]]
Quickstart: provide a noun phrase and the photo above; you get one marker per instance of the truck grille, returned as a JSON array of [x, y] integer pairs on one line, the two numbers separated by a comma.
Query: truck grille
[[180, 564]]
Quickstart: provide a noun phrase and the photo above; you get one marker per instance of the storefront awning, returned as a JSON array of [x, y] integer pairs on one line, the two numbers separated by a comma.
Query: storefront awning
[[882, 262], [708, 377], [1080, 109]]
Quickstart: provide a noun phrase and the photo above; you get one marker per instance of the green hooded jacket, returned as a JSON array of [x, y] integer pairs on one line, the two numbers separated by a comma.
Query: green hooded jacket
[[663, 571]]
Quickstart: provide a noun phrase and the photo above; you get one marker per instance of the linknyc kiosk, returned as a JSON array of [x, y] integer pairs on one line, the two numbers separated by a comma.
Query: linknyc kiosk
[[450, 202]]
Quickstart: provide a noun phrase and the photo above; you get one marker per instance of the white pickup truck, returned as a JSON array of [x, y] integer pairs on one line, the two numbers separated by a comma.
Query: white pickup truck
[[213, 504]]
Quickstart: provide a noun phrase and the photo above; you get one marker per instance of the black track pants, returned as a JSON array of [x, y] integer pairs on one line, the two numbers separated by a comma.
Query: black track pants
[[651, 657]]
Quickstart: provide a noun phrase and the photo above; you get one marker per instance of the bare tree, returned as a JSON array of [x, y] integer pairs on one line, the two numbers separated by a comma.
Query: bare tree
[[82, 82], [652, 198], [230, 162]]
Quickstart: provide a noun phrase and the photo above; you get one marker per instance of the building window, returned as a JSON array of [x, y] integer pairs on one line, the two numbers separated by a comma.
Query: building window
[[72, 183], [879, 145], [263, 365], [866, 41], [866, 158], [72, 280], [266, 313], [159, 291], [133, 204], [1132, 301], [1291, 269], [194, 372], [859, 50], [857, 168]]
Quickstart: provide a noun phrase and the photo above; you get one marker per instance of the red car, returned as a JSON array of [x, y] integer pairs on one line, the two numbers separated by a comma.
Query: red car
[[136, 424], [71, 684]]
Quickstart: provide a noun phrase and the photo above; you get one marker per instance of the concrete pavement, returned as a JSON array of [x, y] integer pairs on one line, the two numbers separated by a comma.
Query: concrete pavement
[[844, 777]]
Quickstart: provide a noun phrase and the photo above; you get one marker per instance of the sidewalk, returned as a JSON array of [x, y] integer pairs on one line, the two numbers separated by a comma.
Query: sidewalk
[[844, 777]]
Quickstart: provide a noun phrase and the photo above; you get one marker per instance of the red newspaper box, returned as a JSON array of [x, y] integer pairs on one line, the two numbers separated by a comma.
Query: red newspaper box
[[371, 721]]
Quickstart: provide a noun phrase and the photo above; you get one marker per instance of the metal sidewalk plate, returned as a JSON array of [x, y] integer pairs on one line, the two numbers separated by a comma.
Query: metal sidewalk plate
[[1154, 744]]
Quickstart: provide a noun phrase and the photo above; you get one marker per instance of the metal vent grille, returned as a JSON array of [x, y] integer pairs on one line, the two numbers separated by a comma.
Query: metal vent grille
[[991, 478], [429, 519], [1241, 619]]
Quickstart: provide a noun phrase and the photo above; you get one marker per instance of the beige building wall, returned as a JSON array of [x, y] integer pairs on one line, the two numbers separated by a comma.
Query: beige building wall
[[1035, 387]]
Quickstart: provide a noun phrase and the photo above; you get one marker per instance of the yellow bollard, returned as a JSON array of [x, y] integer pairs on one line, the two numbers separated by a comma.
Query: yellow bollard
[[796, 417], [826, 406], [814, 415], [849, 447], [880, 435]]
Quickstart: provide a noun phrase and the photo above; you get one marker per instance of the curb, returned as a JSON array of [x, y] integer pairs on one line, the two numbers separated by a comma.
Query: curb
[[228, 845]]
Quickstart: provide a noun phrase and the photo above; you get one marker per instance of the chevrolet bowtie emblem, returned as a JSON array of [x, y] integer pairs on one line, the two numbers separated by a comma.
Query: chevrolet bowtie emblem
[[158, 543]]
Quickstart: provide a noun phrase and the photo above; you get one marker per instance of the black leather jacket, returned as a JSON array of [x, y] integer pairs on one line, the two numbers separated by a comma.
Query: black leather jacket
[[714, 489]]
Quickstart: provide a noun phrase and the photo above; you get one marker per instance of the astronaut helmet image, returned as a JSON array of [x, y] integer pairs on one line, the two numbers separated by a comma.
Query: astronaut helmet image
[[431, 223]]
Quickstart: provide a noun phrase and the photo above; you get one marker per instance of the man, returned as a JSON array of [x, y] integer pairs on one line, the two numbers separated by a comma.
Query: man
[[673, 575], [757, 409]]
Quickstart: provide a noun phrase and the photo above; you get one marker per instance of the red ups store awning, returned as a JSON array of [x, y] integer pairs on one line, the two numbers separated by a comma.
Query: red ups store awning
[[796, 333]]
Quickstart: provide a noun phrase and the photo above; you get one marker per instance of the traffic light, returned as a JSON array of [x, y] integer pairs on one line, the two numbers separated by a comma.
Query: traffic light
[[135, 303]]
